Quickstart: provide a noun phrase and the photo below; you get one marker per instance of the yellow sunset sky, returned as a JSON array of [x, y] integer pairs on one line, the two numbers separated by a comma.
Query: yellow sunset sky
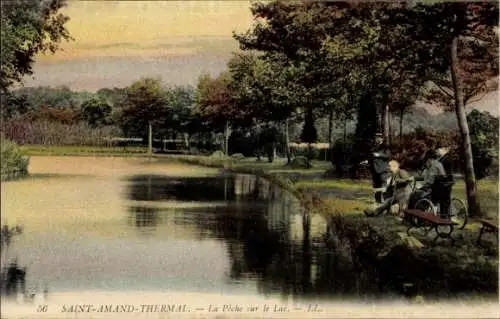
[[122, 28], [118, 42]]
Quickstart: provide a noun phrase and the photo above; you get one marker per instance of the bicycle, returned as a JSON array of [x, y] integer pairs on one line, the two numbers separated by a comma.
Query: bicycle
[[457, 210]]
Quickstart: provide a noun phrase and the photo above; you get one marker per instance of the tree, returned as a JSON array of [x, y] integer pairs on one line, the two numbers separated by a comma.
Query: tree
[[404, 97], [96, 112], [477, 60], [290, 35], [181, 104], [58, 97], [335, 49], [145, 106], [437, 30], [27, 29], [309, 134], [484, 130], [265, 92], [15, 105], [215, 104]]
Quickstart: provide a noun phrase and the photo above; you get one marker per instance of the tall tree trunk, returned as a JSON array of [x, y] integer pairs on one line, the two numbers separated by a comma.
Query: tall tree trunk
[[186, 140], [226, 138], [330, 136], [287, 143], [386, 123], [150, 139], [390, 128], [330, 127], [470, 178], [401, 114], [345, 130]]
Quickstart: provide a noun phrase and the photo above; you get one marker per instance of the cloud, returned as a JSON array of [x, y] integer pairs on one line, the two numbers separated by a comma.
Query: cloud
[[137, 28], [94, 73]]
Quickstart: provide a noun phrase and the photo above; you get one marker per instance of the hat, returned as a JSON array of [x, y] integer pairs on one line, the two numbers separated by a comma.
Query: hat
[[443, 151], [431, 154]]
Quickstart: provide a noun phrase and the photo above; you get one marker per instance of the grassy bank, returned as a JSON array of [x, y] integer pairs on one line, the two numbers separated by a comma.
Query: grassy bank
[[487, 190], [57, 150]]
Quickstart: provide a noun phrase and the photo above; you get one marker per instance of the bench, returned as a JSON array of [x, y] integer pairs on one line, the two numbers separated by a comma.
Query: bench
[[487, 226], [428, 218]]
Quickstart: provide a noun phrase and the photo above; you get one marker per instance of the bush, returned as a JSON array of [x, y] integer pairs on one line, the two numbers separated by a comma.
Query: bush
[[300, 162], [309, 153], [414, 145], [341, 155], [217, 155], [410, 151], [13, 163], [240, 144], [54, 133], [238, 156], [269, 150]]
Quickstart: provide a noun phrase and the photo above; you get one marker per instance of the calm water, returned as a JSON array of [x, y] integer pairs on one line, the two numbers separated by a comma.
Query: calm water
[[131, 225]]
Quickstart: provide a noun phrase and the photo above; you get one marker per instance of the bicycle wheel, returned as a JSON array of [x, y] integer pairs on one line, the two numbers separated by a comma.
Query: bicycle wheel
[[425, 205], [458, 212], [369, 212]]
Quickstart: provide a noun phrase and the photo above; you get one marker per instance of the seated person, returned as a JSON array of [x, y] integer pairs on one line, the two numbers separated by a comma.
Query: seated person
[[400, 181], [433, 172]]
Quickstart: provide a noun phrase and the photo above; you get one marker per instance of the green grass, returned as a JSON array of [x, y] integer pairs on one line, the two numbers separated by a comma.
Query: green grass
[[336, 183], [487, 190]]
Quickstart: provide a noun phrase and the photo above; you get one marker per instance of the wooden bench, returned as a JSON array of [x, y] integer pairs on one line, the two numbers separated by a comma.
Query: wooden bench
[[435, 222], [487, 226]]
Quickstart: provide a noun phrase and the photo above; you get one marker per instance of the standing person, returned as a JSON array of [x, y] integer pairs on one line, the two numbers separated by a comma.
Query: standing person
[[400, 182], [379, 165]]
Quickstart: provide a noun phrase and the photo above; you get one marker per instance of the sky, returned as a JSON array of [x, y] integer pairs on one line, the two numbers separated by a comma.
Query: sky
[[118, 42]]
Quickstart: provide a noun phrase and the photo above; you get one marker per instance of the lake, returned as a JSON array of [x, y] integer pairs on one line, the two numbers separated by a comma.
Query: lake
[[128, 224], [131, 230]]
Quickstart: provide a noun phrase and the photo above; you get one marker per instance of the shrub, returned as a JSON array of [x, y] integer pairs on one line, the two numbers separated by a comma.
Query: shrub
[[238, 156], [410, 151], [309, 153], [240, 144], [217, 155], [12, 163], [300, 162], [269, 150], [341, 155], [43, 132], [54, 114]]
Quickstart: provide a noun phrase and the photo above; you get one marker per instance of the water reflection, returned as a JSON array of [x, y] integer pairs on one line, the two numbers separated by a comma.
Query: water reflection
[[269, 238], [159, 188], [143, 217], [12, 275]]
